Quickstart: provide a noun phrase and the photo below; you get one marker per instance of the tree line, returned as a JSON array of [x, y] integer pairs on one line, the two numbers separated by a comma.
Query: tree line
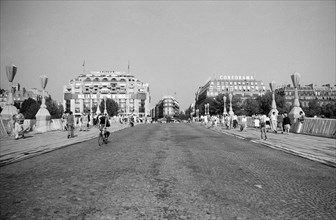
[[263, 105]]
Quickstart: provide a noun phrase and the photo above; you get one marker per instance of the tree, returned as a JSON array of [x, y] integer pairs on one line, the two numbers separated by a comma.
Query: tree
[[329, 110], [251, 107], [29, 108], [111, 107], [313, 109], [265, 103]]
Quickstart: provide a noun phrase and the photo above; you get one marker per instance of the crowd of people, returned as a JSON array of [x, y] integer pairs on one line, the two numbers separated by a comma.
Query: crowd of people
[[273, 123]]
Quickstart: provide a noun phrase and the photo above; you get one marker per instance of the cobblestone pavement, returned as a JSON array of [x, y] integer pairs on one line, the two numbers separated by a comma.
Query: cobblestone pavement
[[167, 171]]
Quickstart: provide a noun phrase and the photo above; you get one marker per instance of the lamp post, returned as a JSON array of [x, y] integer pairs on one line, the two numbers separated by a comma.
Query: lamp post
[[9, 110], [295, 111], [224, 111], [274, 109], [105, 110], [43, 115], [91, 111], [231, 111], [98, 104]]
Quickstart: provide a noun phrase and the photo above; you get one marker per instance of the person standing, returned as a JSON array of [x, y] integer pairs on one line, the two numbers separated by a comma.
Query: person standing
[[71, 125], [263, 134], [273, 119], [300, 122], [286, 123]]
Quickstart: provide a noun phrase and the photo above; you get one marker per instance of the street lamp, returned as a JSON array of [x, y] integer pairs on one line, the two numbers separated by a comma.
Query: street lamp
[[98, 104], [231, 111], [224, 112], [105, 110], [9, 110]]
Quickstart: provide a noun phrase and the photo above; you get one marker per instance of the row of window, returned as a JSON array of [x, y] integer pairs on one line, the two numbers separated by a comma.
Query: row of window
[[237, 88], [235, 83]]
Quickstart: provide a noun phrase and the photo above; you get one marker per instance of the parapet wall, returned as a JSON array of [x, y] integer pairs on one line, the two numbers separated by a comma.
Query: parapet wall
[[312, 126]]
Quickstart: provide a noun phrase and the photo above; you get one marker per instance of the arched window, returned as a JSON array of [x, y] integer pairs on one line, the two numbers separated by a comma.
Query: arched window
[[104, 79], [96, 79], [87, 79]]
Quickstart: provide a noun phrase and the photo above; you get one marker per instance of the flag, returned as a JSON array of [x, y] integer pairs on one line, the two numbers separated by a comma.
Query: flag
[[84, 63]]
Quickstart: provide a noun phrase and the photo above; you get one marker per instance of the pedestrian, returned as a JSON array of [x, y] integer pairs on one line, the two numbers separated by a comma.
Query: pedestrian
[[243, 123], [263, 134], [273, 119], [234, 121], [286, 123], [300, 122], [89, 120], [84, 122], [280, 124], [70, 124]]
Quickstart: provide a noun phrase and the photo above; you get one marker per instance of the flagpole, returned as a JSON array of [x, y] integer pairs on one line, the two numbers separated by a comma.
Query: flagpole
[[84, 66]]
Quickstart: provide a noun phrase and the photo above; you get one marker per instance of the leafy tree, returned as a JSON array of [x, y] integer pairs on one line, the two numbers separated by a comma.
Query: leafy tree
[[111, 106], [55, 110], [313, 109], [329, 110], [237, 105], [265, 103], [29, 108], [251, 107]]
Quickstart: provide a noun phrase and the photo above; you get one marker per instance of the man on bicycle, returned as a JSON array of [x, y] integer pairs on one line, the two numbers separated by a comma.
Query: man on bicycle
[[102, 121]]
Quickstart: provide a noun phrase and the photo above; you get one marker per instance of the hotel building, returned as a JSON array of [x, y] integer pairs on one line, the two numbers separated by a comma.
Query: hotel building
[[244, 86], [88, 90]]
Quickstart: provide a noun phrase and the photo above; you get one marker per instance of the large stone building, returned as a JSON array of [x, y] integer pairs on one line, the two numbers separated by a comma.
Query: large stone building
[[323, 94], [243, 86], [131, 95], [168, 106]]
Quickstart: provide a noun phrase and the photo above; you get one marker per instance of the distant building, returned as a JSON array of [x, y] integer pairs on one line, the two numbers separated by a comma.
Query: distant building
[[21, 94], [131, 95], [323, 94], [168, 106], [244, 86]]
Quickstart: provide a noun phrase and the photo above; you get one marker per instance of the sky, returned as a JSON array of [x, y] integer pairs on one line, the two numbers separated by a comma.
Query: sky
[[175, 46]]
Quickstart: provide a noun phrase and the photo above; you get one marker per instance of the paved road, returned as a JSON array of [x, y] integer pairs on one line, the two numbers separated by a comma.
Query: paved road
[[167, 171]]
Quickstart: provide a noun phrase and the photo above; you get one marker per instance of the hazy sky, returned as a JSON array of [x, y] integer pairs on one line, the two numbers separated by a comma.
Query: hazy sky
[[174, 46]]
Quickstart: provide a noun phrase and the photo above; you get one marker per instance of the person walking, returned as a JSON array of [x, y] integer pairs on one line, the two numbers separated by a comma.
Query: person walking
[[70, 124], [243, 123], [263, 134], [273, 119], [286, 123]]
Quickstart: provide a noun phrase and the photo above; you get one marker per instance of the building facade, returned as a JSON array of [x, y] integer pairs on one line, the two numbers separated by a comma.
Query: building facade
[[244, 86], [323, 94], [88, 90], [168, 106], [22, 94]]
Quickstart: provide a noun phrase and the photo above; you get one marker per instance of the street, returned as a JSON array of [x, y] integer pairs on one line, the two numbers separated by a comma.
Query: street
[[167, 171]]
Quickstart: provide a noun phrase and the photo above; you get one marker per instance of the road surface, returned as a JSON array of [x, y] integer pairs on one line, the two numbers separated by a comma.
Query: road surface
[[167, 171]]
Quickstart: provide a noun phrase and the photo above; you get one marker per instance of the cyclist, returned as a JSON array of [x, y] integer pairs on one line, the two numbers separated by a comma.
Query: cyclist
[[102, 121]]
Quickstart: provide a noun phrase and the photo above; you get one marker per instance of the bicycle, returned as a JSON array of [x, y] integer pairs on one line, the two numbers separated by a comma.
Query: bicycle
[[102, 138]]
